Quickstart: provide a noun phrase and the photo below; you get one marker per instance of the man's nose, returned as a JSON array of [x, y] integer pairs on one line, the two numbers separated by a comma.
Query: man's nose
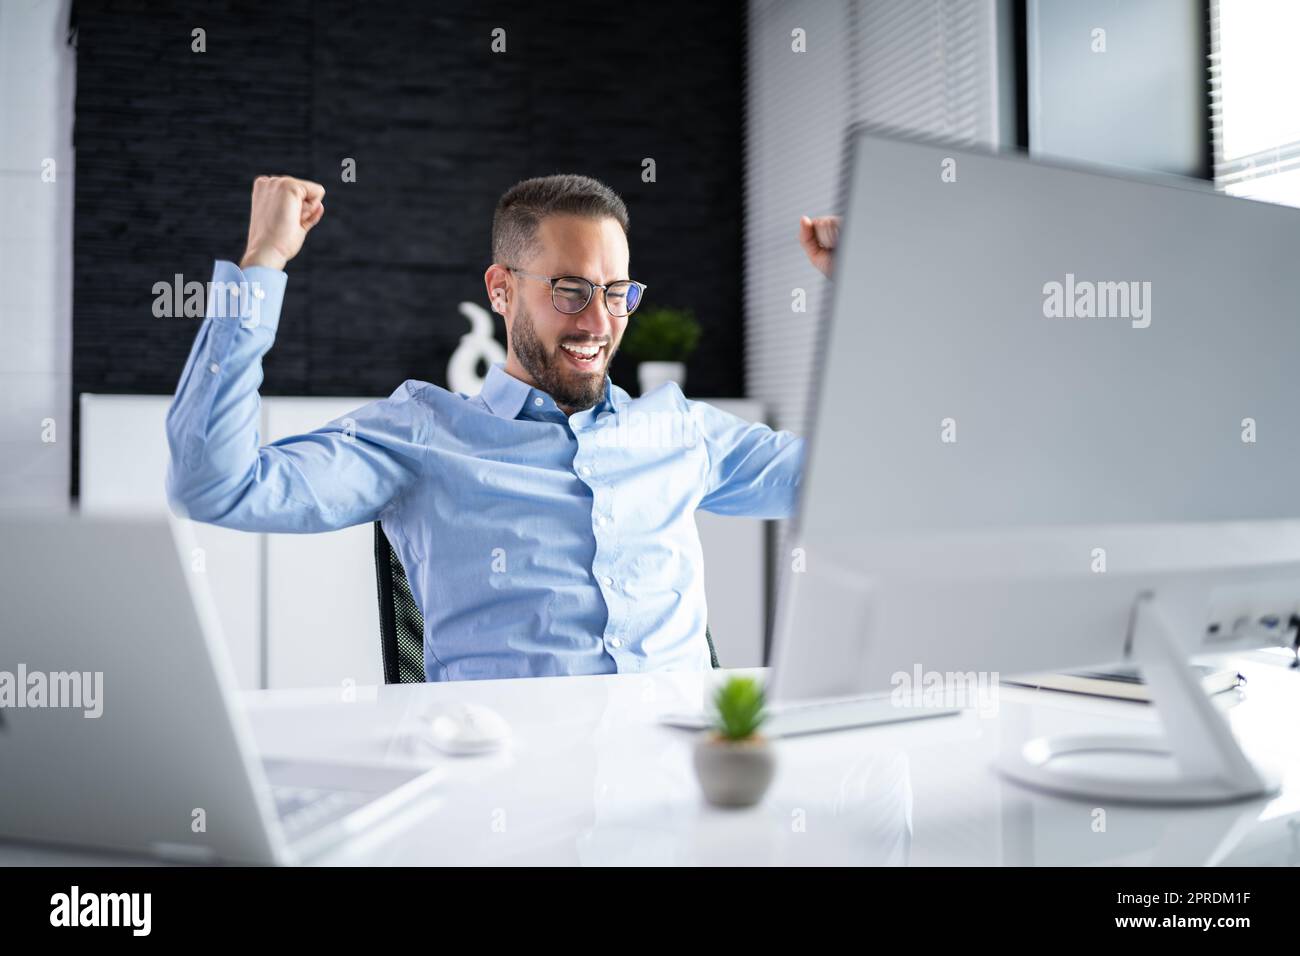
[[595, 319]]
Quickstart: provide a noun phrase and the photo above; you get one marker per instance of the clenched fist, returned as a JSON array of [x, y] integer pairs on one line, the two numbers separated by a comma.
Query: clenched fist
[[284, 211], [819, 237]]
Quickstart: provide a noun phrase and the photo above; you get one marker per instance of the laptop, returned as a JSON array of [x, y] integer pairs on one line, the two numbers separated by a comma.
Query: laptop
[[119, 727]]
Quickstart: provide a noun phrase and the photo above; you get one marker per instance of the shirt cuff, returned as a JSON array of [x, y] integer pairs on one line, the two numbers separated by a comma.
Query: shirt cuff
[[252, 297]]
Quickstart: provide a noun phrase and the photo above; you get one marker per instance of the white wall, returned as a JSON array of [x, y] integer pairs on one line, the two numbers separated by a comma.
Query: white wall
[[37, 88]]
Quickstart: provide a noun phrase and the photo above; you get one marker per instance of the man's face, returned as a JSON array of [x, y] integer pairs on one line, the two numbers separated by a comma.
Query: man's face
[[541, 338]]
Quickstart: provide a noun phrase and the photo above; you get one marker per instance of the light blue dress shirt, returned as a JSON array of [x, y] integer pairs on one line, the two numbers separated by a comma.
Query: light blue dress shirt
[[536, 543]]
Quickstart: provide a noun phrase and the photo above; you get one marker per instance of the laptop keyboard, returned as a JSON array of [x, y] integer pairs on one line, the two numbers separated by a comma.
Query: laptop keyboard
[[302, 809], [792, 718]]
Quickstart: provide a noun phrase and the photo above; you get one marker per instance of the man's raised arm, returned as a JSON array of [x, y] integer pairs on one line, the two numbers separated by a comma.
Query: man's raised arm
[[342, 474], [755, 471]]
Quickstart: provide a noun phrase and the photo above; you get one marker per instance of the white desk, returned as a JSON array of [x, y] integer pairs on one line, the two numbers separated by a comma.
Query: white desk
[[591, 779]]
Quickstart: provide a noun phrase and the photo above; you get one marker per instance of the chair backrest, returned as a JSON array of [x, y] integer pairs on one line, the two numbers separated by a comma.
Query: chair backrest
[[401, 625]]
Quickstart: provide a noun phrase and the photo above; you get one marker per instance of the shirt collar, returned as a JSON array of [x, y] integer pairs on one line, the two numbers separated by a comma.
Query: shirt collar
[[506, 395]]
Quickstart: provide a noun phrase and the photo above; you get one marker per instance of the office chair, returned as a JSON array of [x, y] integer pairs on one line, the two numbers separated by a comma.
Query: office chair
[[401, 625]]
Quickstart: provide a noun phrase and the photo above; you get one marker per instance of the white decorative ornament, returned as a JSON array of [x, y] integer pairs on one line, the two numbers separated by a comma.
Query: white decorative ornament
[[475, 346]]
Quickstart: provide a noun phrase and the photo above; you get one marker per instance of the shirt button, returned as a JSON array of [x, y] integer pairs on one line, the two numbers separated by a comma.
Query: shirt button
[[616, 643], [537, 401], [601, 519], [214, 368], [259, 293], [586, 470], [609, 582]]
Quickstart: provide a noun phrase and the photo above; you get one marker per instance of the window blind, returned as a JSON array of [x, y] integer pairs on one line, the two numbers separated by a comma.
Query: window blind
[[930, 66]]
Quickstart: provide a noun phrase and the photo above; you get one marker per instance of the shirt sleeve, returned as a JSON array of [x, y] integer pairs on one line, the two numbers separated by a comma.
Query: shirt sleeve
[[753, 471], [347, 472]]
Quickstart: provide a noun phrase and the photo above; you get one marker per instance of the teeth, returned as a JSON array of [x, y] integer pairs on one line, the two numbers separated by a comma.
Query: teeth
[[585, 351]]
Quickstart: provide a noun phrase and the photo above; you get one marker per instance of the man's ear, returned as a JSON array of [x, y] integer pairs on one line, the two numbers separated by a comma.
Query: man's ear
[[498, 288]]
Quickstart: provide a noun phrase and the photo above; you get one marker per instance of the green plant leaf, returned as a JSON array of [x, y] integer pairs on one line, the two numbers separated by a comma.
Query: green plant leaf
[[740, 708], [661, 334]]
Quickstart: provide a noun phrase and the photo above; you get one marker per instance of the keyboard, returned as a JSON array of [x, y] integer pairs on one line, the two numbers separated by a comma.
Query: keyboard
[[794, 718], [304, 809], [311, 794]]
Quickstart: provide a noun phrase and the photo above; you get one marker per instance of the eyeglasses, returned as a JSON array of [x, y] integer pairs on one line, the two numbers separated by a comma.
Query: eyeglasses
[[570, 294]]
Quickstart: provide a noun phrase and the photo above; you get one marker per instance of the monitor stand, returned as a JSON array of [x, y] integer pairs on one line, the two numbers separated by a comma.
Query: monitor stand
[[1196, 761]]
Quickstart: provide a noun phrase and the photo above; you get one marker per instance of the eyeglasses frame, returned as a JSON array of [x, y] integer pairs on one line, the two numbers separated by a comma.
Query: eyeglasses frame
[[551, 280]]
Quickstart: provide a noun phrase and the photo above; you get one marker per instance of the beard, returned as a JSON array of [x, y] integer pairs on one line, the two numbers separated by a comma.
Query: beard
[[569, 387]]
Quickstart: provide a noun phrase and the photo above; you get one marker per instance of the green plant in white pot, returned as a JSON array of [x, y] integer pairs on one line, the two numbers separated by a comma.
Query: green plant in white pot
[[660, 339], [734, 762]]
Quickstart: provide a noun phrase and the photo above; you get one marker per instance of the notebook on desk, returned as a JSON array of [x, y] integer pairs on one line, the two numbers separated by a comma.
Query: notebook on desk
[[1121, 683]]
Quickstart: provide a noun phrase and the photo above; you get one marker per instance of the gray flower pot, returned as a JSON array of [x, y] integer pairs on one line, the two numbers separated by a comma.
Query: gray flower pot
[[734, 773], [650, 375]]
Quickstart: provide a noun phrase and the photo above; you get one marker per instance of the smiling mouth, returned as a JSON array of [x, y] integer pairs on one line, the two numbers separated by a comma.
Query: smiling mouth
[[583, 356]]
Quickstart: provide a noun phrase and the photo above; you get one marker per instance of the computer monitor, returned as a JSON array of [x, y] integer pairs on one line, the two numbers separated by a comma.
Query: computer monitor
[[1054, 427]]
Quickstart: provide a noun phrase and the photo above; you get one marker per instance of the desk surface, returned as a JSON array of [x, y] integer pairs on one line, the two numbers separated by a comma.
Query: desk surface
[[591, 779]]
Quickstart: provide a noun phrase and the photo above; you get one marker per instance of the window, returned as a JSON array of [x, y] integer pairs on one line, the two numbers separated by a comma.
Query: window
[[1255, 86]]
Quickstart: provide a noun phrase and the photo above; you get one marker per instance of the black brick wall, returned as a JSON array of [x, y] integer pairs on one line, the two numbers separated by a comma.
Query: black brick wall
[[168, 142]]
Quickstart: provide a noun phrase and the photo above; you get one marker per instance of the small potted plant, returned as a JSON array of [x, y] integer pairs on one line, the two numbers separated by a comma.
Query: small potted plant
[[661, 339], [734, 763]]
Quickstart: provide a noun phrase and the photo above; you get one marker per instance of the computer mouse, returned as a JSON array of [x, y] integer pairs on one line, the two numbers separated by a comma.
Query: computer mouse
[[467, 729]]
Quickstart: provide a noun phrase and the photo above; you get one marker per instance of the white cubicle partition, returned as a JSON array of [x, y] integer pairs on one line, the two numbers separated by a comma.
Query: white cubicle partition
[[322, 609], [123, 468], [735, 559], [301, 610]]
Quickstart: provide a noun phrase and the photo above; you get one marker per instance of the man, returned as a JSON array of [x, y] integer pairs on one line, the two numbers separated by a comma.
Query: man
[[547, 523]]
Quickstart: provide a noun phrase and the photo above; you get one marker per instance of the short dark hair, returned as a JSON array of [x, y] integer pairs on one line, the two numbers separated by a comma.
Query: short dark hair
[[521, 210]]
